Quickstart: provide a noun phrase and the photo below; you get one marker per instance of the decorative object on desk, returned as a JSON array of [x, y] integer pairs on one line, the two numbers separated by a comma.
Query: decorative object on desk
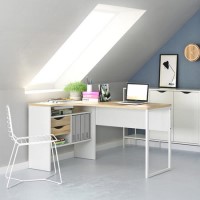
[[168, 70], [104, 92], [75, 89], [89, 85], [89, 88], [90, 96], [192, 52]]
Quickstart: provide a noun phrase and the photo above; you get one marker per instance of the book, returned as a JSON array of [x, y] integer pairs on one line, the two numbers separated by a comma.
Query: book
[[55, 112], [90, 99], [91, 96], [60, 141], [90, 93]]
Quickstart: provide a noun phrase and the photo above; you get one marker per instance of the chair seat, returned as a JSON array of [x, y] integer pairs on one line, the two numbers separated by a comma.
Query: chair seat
[[36, 139]]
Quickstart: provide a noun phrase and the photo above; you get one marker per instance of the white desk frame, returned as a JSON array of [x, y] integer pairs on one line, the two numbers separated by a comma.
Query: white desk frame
[[155, 119], [148, 117]]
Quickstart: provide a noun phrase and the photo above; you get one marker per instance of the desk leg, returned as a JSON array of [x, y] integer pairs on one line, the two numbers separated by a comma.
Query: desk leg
[[169, 141], [123, 137], [168, 121], [147, 144]]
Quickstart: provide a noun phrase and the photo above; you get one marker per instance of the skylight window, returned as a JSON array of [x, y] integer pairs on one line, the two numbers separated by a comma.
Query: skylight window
[[89, 43]]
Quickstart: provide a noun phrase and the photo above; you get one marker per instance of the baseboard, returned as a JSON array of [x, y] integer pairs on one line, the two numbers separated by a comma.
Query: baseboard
[[109, 145], [67, 155], [24, 165], [17, 167], [175, 146]]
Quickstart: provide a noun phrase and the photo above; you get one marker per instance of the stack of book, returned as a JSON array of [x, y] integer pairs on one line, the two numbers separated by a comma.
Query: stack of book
[[61, 110], [90, 96], [60, 141]]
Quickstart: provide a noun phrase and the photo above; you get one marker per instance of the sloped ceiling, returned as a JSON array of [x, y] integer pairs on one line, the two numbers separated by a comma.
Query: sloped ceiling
[[31, 31]]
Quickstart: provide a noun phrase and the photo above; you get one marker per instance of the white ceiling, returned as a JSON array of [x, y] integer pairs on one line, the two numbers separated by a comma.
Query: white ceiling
[[31, 31]]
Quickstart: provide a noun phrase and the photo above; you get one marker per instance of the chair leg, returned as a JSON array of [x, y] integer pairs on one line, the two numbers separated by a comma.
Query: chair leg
[[58, 163], [10, 173], [11, 163], [54, 164], [11, 157]]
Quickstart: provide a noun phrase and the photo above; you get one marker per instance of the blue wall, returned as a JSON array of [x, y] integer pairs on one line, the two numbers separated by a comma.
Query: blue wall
[[188, 72]]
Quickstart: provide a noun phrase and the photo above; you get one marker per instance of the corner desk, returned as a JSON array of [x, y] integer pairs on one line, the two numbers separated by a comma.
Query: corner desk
[[150, 116]]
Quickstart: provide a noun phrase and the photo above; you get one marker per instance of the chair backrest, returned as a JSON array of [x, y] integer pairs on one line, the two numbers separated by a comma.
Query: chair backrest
[[9, 124]]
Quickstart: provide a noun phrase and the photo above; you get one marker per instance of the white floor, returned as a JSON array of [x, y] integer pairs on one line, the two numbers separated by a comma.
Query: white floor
[[117, 174]]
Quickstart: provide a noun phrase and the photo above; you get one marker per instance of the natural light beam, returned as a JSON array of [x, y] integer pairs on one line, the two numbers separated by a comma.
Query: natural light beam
[[90, 42]]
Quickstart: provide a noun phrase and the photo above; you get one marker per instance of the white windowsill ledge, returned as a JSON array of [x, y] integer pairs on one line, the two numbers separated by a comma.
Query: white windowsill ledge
[[43, 91]]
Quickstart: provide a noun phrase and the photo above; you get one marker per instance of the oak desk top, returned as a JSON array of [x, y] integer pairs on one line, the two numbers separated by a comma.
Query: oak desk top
[[111, 104]]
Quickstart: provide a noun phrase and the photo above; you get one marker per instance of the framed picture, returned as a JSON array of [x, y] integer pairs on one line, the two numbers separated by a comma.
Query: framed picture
[[168, 70], [104, 92]]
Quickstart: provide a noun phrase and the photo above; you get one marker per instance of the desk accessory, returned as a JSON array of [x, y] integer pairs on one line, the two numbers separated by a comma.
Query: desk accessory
[[104, 92]]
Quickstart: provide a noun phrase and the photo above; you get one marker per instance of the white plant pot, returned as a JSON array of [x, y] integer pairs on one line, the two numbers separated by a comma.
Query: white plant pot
[[75, 95]]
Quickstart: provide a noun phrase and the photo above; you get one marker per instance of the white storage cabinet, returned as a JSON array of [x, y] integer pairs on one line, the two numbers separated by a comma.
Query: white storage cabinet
[[73, 128], [186, 117]]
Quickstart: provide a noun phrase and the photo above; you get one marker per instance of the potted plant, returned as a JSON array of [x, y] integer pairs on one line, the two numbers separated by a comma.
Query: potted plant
[[75, 90]]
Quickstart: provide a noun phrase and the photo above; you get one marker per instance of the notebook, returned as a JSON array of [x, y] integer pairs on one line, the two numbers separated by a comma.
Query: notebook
[[136, 94]]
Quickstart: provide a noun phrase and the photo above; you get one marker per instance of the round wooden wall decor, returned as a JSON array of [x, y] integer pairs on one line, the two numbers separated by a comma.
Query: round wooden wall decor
[[192, 52]]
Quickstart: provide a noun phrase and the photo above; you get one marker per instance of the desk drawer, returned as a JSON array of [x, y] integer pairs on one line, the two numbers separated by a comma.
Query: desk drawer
[[61, 130], [61, 121]]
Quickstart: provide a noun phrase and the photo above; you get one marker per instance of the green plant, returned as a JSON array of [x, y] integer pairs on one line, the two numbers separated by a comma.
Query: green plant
[[76, 86]]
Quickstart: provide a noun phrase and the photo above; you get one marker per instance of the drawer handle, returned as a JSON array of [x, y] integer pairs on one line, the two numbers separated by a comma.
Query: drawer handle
[[161, 91], [58, 118], [58, 127], [186, 92]]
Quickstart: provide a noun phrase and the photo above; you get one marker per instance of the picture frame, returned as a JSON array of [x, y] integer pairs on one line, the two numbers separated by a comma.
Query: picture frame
[[104, 92], [168, 70]]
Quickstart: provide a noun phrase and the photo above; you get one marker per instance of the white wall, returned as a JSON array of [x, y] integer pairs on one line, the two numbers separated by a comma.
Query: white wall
[[33, 30], [16, 100]]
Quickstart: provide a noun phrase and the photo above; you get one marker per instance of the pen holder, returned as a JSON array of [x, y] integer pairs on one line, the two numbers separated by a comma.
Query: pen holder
[[89, 88]]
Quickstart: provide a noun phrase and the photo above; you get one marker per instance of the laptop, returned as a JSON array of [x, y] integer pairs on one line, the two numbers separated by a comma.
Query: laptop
[[136, 94]]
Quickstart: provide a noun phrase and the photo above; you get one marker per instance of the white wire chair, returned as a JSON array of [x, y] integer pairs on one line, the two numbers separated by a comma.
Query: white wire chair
[[25, 141]]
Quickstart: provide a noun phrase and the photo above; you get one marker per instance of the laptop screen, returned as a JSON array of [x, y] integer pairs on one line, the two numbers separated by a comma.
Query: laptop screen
[[137, 92]]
